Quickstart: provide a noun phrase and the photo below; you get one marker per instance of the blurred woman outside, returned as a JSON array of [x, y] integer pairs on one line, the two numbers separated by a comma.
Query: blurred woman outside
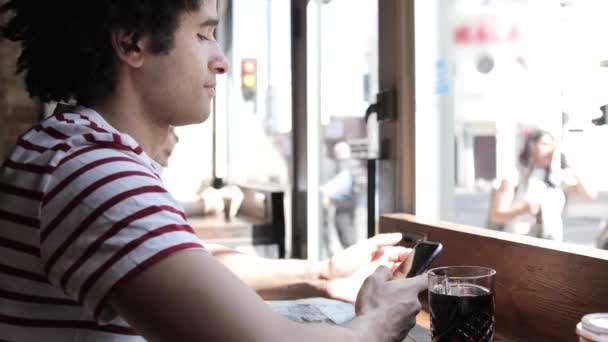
[[532, 202]]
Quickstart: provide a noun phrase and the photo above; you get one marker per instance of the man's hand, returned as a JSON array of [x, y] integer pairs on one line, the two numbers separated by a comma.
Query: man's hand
[[387, 307], [346, 271]]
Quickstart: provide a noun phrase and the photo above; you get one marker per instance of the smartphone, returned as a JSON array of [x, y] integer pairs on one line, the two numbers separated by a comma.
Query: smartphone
[[424, 253]]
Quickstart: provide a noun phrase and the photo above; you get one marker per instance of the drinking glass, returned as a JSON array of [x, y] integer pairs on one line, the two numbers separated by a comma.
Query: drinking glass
[[462, 302]]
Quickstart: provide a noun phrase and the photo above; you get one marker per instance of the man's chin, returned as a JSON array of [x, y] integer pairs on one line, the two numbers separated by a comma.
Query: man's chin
[[192, 119], [205, 116], [204, 113], [202, 118]]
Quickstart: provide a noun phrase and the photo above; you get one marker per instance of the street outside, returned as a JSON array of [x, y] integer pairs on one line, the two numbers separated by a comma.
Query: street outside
[[582, 219]]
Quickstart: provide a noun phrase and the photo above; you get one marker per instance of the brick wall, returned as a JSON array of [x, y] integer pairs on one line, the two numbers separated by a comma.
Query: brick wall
[[17, 110]]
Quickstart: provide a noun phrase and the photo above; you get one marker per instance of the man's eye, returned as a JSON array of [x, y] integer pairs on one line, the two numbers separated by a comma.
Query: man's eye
[[201, 37]]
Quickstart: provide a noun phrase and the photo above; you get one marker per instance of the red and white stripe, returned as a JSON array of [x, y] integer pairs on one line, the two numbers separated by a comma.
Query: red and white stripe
[[82, 210]]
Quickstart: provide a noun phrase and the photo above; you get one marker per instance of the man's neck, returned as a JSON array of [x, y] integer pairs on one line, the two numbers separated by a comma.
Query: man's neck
[[125, 112]]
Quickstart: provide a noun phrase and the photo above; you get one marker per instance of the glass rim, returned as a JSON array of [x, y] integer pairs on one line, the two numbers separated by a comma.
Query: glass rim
[[490, 272]]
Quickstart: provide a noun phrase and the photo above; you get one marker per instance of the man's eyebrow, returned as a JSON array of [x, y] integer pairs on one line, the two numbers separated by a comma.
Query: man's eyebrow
[[212, 21]]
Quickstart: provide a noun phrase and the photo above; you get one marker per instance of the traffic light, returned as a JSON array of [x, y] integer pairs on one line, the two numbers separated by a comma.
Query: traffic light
[[249, 78]]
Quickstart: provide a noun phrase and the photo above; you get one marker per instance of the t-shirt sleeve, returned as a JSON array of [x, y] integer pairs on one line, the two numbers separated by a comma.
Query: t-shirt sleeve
[[512, 176], [105, 217]]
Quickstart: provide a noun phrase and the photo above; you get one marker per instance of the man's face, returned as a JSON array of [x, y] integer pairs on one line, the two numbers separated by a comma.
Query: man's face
[[177, 87]]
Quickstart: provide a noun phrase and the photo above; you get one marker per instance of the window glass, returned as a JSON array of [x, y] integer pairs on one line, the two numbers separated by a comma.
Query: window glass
[[343, 55], [528, 83]]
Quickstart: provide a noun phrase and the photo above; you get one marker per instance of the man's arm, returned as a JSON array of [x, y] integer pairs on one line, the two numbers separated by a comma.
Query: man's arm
[[339, 277], [189, 296], [273, 278]]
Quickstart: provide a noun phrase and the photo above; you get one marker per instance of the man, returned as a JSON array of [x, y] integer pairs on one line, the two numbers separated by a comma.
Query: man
[[93, 248], [340, 193]]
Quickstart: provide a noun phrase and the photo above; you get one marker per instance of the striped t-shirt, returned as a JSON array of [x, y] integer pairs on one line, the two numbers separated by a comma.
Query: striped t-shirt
[[82, 209]]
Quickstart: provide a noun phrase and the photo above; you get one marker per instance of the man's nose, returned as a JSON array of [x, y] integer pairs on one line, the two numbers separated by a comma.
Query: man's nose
[[219, 63]]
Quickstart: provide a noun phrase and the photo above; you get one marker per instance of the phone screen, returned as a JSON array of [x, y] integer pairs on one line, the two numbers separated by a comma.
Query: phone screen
[[424, 253]]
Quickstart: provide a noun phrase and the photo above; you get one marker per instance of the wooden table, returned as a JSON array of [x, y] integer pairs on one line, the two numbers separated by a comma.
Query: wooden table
[[242, 231], [217, 227], [238, 231]]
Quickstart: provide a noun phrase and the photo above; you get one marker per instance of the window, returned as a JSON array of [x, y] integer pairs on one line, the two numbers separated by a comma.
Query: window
[[258, 146], [497, 71], [342, 83]]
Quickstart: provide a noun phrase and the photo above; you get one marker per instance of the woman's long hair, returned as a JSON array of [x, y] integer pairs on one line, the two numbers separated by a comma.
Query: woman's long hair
[[525, 156]]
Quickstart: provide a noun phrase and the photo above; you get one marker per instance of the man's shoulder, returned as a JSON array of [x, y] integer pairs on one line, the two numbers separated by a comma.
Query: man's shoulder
[[86, 128], [86, 135], [62, 144]]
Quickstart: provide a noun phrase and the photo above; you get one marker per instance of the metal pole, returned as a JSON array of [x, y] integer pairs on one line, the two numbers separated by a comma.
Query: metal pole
[[299, 66], [371, 197]]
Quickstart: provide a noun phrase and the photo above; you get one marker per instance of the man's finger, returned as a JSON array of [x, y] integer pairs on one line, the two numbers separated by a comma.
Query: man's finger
[[405, 267], [396, 253], [389, 239], [382, 261], [419, 283], [383, 273], [378, 253]]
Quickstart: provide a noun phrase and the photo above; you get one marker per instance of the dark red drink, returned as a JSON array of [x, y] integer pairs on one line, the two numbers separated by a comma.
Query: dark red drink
[[462, 313]]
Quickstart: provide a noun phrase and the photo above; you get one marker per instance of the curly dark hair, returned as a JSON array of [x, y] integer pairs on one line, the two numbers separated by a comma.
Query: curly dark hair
[[67, 52]]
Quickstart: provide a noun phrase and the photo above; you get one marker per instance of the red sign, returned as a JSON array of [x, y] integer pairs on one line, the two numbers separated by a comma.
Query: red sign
[[485, 32]]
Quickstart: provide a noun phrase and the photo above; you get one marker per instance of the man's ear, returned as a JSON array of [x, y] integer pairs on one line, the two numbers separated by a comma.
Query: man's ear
[[129, 48]]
